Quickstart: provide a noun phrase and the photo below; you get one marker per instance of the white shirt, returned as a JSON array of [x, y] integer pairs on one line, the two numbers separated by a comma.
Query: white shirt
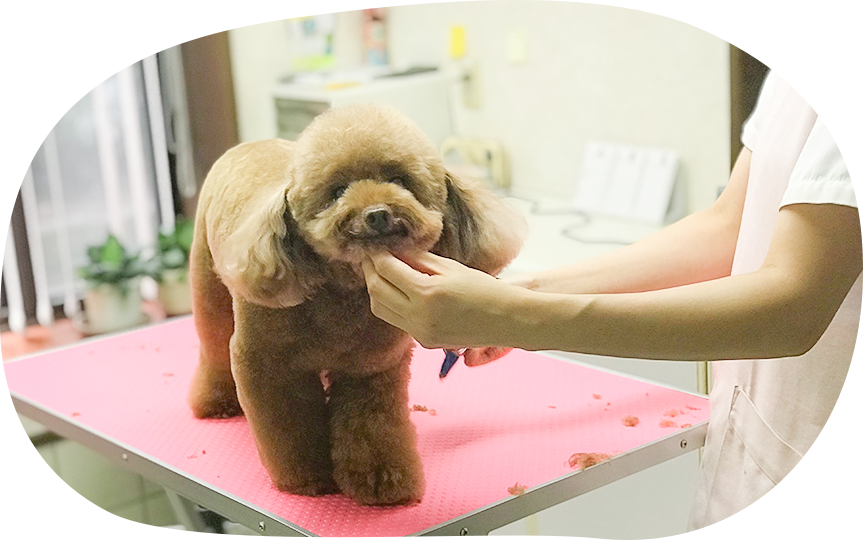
[[765, 414]]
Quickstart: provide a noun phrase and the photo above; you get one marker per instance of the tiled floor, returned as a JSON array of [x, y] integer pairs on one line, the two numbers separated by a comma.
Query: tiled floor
[[63, 491], [68, 492]]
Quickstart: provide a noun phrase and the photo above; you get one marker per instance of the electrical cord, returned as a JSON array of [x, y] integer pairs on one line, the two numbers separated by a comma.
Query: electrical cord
[[536, 209], [568, 231]]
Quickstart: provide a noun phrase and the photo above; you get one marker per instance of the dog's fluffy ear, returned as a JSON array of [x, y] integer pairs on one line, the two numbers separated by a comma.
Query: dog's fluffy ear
[[479, 230], [266, 261]]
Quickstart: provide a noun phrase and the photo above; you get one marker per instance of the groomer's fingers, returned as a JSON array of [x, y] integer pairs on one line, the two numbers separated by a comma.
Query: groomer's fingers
[[379, 287], [484, 355], [429, 263], [388, 315], [397, 272]]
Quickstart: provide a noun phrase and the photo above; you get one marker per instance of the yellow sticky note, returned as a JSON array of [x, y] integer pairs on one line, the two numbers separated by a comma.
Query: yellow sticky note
[[456, 41]]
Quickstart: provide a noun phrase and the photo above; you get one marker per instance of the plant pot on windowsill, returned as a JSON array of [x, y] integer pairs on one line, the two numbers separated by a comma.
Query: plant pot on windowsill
[[112, 300], [172, 273], [175, 293], [112, 306]]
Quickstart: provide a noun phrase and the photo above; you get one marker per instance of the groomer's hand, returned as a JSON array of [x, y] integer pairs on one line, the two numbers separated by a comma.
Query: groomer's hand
[[440, 302]]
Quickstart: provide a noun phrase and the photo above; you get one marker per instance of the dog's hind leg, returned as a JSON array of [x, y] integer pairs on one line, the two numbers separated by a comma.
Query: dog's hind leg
[[213, 393], [374, 441]]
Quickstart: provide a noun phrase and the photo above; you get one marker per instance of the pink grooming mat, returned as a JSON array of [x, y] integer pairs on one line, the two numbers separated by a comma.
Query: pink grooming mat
[[515, 420]]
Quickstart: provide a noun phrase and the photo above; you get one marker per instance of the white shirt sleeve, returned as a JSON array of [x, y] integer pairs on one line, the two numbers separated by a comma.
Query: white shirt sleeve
[[830, 166], [789, 40]]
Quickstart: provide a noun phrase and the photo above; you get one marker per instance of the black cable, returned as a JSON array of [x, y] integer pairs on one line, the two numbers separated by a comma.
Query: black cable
[[567, 231]]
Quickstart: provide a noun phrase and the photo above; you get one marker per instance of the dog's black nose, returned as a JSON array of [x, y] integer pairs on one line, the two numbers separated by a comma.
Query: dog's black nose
[[380, 220]]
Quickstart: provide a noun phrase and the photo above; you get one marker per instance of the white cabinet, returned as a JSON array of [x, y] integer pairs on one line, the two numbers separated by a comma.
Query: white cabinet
[[423, 96]]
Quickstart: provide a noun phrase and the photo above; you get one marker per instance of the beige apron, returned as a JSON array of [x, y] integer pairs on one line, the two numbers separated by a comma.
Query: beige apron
[[765, 414]]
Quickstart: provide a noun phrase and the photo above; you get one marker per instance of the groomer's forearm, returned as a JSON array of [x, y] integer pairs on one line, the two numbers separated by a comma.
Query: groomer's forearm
[[747, 316], [675, 256], [700, 247]]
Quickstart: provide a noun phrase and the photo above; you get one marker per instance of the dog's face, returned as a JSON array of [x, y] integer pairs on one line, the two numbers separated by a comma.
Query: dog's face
[[362, 178], [365, 178]]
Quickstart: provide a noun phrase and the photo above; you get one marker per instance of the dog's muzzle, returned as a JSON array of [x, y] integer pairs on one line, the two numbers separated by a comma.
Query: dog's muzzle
[[379, 220], [377, 224]]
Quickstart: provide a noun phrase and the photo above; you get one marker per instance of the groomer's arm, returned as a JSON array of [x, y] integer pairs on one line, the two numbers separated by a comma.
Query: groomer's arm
[[697, 248], [780, 310]]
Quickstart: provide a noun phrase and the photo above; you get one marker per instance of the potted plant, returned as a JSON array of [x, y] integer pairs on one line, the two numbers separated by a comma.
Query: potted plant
[[172, 268], [112, 300]]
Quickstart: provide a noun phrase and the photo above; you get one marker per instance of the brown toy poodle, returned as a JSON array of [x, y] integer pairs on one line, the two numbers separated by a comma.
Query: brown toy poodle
[[280, 306]]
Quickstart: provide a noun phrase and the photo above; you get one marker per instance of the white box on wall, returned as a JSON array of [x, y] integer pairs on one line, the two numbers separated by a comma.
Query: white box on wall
[[627, 182]]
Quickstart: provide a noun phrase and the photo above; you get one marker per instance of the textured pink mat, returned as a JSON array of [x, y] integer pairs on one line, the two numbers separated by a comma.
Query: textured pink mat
[[515, 420]]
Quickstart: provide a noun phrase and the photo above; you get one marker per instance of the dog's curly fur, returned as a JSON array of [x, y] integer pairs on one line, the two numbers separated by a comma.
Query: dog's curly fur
[[279, 296]]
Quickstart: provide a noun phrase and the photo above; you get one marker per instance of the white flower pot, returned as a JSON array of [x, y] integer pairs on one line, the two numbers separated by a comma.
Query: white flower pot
[[111, 307], [175, 293]]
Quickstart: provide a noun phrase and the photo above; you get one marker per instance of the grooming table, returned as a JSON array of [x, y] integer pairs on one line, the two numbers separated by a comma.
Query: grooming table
[[517, 420]]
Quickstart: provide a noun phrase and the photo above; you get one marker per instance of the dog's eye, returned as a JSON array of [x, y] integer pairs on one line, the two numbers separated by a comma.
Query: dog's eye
[[338, 192], [399, 181]]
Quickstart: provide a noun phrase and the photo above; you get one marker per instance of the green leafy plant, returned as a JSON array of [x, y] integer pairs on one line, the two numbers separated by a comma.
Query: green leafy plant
[[111, 264], [173, 249]]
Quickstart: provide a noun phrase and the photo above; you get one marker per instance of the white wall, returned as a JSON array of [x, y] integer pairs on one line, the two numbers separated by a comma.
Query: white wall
[[260, 55], [591, 73]]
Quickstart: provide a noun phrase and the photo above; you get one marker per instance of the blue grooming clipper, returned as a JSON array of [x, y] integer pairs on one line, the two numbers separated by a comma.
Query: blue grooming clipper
[[449, 360]]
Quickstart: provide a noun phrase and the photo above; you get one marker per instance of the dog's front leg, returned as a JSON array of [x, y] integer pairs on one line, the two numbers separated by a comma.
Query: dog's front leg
[[374, 442], [286, 409]]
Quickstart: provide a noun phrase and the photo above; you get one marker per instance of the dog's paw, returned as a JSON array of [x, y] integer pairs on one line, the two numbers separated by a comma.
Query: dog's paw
[[217, 408], [310, 487], [215, 401], [382, 484]]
